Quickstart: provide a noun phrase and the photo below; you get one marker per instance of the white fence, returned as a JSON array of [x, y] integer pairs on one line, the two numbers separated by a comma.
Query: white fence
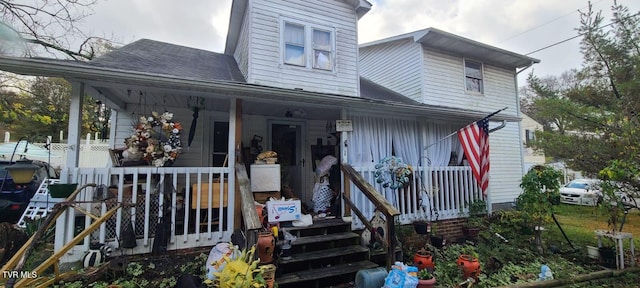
[[437, 193], [92, 154], [188, 199]]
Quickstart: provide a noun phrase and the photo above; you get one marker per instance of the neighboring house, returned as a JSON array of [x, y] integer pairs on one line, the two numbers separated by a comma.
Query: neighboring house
[[529, 128], [289, 71]]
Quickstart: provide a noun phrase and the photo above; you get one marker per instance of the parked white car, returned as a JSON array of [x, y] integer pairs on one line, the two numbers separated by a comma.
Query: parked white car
[[581, 192]]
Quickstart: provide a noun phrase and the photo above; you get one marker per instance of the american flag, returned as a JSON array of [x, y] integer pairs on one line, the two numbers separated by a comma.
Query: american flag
[[475, 142]]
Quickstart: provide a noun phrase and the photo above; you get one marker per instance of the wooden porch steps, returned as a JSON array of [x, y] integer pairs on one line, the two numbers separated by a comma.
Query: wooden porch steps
[[324, 254]]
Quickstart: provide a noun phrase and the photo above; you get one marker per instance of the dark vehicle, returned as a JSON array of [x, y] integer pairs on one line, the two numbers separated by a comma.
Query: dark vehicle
[[14, 197]]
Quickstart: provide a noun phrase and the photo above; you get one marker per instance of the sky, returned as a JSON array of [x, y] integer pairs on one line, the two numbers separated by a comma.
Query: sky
[[521, 26]]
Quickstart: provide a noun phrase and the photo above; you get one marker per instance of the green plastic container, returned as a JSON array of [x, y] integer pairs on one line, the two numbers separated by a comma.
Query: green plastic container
[[62, 190]]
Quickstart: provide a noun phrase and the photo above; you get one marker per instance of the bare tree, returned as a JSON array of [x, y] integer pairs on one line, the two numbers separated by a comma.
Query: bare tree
[[51, 26]]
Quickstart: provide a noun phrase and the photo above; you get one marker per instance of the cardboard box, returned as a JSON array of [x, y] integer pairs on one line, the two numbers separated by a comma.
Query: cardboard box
[[262, 197], [204, 195], [288, 210], [265, 177]]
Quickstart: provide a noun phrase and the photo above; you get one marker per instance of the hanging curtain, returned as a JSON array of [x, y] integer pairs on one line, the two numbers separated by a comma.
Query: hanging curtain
[[406, 142], [457, 147], [439, 153], [370, 140]]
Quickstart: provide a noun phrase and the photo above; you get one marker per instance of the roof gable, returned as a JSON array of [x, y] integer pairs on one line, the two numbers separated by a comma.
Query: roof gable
[[239, 7]]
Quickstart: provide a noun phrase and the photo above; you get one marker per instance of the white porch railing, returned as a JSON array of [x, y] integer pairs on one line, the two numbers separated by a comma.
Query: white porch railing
[[188, 198], [436, 193]]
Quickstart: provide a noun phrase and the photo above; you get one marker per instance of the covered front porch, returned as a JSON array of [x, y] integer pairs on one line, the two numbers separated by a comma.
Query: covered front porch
[[230, 114]]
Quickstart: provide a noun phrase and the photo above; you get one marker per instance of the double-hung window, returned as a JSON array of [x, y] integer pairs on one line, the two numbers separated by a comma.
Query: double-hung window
[[473, 76], [294, 44], [308, 46]]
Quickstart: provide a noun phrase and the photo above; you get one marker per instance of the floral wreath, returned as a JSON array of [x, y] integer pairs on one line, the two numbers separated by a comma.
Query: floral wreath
[[156, 140], [392, 172]]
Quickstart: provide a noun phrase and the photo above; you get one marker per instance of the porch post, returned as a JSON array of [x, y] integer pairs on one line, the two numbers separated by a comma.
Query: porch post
[[112, 132], [75, 122], [235, 140], [346, 212]]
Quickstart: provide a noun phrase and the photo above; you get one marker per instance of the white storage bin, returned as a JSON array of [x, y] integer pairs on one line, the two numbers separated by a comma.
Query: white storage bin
[[265, 177]]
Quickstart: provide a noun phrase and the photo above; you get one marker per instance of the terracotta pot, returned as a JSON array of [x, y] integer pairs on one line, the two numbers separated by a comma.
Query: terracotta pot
[[426, 283], [265, 247], [270, 282], [423, 259], [469, 265]]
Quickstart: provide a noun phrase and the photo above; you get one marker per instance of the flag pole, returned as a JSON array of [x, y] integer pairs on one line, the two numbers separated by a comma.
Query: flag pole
[[456, 132]]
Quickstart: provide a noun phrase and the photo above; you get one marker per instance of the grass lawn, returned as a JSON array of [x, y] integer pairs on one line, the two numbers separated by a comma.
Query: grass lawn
[[579, 222]]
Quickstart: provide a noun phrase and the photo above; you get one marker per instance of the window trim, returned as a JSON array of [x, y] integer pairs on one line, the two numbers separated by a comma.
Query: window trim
[[482, 79], [309, 49]]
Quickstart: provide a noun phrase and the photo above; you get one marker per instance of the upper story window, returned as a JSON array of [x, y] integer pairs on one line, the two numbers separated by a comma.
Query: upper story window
[[473, 76], [294, 44], [308, 46]]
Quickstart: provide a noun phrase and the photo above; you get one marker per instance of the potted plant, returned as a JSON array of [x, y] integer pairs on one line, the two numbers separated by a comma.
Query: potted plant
[[422, 227], [426, 279], [468, 262], [437, 240], [477, 212], [423, 259]]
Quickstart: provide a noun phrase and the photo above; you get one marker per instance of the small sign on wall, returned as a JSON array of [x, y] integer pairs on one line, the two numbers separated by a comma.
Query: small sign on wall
[[344, 126]]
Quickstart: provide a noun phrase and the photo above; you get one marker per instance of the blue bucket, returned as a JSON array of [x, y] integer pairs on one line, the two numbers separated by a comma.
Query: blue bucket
[[371, 278]]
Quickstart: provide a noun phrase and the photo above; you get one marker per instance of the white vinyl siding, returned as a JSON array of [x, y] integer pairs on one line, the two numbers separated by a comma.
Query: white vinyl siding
[[242, 49], [506, 164], [192, 156], [266, 54], [395, 65], [445, 86]]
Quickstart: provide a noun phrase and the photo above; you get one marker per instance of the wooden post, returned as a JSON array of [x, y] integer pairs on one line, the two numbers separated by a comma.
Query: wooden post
[[235, 153]]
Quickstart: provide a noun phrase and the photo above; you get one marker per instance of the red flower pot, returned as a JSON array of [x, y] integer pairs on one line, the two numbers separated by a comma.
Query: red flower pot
[[423, 259], [265, 246], [469, 265], [426, 283]]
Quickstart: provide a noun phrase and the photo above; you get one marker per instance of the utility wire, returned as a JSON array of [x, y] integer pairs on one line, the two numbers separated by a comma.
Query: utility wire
[[548, 22], [574, 37]]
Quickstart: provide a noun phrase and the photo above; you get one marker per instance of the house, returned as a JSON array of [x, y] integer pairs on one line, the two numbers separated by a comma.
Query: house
[[529, 128], [292, 79]]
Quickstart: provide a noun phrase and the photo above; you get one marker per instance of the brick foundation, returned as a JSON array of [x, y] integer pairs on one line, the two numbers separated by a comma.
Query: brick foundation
[[451, 229]]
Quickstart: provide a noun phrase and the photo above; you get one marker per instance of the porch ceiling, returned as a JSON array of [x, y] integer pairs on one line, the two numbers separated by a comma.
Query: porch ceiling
[[122, 87]]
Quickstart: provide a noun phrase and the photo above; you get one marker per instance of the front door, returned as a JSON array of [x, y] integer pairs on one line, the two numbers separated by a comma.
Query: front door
[[287, 140]]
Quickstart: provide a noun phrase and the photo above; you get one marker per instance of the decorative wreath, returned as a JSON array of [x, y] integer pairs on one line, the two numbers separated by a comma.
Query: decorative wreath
[[156, 140], [392, 172]]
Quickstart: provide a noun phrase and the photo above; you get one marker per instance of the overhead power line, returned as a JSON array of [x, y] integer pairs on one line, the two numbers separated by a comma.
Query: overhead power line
[[548, 22], [574, 37]]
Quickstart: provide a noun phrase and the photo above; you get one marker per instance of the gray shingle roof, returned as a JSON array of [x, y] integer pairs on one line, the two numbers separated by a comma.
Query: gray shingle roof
[[169, 59], [374, 91]]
